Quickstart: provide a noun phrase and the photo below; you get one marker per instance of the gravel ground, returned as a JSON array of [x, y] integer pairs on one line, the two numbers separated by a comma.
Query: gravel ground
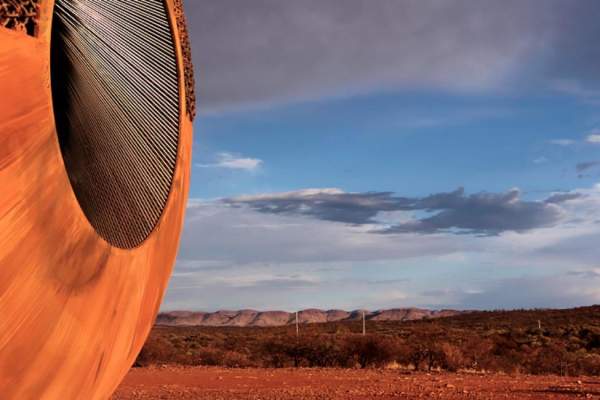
[[268, 384]]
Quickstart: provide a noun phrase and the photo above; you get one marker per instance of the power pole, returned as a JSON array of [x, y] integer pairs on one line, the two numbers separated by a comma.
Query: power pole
[[364, 324], [297, 328]]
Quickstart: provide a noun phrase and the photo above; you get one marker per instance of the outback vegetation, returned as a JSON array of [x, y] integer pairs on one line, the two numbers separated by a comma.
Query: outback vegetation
[[562, 342]]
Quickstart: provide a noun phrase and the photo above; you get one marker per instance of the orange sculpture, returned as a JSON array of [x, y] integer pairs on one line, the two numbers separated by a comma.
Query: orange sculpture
[[96, 110]]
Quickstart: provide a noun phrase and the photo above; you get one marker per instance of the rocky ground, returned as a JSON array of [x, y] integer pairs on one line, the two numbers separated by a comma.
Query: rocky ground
[[269, 384]]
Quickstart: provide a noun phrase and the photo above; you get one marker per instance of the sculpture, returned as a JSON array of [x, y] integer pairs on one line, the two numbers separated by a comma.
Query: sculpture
[[96, 111]]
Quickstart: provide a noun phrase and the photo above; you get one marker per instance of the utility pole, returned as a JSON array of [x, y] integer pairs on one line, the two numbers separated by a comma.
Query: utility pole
[[364, 324], [539, 324], [297, 328]]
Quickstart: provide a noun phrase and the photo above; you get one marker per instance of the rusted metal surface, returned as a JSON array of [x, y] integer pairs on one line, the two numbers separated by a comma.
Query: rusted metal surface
[[75, 309], [20, 15], [190, 83]]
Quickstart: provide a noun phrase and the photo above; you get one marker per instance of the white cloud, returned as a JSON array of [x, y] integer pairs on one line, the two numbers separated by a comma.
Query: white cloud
[[238, 236], [593, 136], [562, 142], [235, 257], [290, 195], [231, 161], [576, 88]]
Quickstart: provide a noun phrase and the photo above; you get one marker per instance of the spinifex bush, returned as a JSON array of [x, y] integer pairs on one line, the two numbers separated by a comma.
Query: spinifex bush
[[568, 343]]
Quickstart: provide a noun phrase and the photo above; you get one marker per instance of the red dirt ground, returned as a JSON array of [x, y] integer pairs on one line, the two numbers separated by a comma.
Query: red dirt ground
[[209, 383]]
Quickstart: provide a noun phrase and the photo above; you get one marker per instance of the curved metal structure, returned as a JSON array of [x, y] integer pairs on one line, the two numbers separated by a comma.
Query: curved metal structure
[[96, 110]]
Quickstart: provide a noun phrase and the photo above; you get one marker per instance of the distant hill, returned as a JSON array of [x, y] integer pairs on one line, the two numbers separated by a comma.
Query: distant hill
[[244, 318]]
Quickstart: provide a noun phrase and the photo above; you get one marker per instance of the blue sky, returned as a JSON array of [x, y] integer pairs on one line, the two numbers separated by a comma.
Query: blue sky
[[378, 141], [355, 154]]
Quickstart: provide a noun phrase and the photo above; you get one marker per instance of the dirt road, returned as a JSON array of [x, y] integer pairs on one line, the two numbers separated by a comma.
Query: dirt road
[[269, 384]]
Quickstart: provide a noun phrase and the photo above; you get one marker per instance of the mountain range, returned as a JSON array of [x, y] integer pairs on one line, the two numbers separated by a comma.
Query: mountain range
[[280, 318]]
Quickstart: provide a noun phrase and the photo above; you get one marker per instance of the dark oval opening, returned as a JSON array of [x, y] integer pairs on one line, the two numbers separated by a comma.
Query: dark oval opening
[[116, 104]]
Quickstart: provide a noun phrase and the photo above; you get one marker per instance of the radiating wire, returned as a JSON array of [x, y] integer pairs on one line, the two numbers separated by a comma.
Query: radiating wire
[[116, 100]]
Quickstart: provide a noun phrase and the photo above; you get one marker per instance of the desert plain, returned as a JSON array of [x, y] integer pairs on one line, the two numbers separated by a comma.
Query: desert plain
[[217, 383], [404, 354]]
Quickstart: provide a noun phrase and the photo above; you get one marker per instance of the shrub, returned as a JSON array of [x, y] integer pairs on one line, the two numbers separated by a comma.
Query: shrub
[[370, 351], [567, 344], [453, 357]]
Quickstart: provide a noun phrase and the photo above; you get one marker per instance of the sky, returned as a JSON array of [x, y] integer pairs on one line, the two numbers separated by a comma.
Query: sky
[[393, 153]]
